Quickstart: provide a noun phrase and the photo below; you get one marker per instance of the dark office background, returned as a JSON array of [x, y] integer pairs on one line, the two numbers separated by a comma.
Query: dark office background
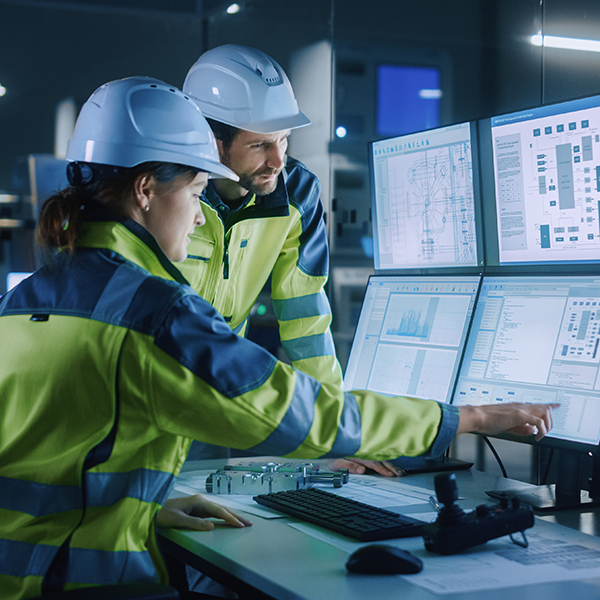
[[52, 51]]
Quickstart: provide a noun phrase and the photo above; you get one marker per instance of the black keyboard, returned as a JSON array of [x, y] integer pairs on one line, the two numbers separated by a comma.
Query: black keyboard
[[355, 519]]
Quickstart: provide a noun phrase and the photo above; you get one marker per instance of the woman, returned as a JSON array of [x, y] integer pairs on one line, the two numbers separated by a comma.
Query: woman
[[111, 364]]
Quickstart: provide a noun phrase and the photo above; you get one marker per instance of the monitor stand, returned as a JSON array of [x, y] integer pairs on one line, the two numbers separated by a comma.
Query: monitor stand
[[566, 494], [413, 465]]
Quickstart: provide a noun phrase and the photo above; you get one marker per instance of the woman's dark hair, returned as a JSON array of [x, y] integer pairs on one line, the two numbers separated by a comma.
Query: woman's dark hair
[[61, 214]]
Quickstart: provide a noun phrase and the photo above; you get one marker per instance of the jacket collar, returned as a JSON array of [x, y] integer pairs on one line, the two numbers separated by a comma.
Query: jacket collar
[[275, 201], [129, 239]]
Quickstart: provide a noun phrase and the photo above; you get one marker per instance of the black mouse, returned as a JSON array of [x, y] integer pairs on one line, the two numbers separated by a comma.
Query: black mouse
[[383, 559]]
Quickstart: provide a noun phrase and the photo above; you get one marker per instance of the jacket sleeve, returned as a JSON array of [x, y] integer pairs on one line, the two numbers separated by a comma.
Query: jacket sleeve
[[298, 281], [204, 382]]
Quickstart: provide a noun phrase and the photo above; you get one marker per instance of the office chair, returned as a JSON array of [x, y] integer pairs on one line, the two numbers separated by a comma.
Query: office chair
[[119, 591]]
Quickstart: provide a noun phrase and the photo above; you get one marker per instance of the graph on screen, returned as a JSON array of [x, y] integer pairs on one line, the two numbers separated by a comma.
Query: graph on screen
[[410, 335]]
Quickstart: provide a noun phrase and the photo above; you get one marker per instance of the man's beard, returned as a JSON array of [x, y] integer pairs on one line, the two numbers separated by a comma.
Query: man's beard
[[251, 183]]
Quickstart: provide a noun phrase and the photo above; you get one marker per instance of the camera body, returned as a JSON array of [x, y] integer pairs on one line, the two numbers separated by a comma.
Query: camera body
[[456, 530]]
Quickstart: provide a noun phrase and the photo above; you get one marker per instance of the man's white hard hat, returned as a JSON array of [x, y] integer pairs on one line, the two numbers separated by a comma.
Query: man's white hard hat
[[244, 87]]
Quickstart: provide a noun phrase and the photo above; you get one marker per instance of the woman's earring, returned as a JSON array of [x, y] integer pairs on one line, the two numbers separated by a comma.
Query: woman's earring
[[146, 208]]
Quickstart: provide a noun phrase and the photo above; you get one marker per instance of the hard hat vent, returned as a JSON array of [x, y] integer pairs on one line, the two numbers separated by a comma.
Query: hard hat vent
[[267, 71]]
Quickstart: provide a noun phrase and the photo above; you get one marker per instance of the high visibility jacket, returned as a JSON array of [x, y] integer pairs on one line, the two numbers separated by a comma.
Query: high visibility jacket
[[282, 235], [109, 365]]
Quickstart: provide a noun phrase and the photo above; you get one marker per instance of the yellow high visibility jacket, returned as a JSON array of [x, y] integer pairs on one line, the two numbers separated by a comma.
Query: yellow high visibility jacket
[[282, 236], [109, 365]]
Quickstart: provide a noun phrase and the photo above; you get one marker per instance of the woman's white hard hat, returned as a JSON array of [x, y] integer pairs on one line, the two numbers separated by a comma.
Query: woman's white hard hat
[[140, 119]]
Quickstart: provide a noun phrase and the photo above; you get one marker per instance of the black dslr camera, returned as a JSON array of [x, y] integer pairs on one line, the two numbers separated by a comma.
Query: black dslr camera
[[456, 530]]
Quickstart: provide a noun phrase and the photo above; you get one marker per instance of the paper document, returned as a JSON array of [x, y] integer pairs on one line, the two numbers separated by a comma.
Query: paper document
[[555, 553]]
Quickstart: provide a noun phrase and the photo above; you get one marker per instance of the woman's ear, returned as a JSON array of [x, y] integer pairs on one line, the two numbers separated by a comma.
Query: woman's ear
[[143, 188]]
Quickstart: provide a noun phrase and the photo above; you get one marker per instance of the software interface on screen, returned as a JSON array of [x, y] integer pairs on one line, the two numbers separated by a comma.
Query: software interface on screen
[[547, 181], [410, 335], [423, 200], [536, 339]]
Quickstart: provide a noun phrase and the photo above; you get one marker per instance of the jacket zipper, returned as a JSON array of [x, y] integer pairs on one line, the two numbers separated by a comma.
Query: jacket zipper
[[226, 261]]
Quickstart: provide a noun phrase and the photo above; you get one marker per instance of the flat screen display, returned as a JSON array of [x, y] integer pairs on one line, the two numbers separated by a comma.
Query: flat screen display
[[423, 200], [546, 164], [410, 335], [537, 339]]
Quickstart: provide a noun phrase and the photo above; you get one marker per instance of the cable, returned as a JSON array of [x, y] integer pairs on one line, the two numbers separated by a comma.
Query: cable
[[496, 455]]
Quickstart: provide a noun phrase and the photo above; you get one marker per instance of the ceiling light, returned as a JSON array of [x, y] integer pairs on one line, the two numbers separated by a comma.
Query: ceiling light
[[233, 8], [430, 94], [2, 90], [553, 41]]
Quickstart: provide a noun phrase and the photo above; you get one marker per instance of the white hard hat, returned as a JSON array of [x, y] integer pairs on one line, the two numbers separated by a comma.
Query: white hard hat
[[139, 119], [244, 87]]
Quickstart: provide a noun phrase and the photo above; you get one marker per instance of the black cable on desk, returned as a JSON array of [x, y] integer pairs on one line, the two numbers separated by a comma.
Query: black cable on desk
[[496, 455]]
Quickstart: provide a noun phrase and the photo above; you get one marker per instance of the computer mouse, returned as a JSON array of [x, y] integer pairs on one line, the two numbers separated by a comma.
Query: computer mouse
[[383, 559]]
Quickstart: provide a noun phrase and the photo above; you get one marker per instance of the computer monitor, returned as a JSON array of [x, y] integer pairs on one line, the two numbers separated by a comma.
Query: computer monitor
[[423, 197], [410, 335], [537, 339], [14, 278], [546, 183]]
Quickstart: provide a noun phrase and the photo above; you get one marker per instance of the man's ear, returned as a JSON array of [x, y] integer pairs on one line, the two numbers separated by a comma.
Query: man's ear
[[220, 148]]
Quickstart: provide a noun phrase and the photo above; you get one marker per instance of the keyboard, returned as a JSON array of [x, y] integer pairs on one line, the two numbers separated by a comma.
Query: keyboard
[[337, 513]]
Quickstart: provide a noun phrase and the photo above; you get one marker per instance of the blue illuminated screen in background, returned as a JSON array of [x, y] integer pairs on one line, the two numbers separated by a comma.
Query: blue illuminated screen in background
[[408, 99]]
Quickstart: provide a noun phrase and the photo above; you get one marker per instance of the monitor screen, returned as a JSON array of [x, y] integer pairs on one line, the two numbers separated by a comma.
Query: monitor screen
[[410, 335], [546, 164], [423, 199], [536, 339]]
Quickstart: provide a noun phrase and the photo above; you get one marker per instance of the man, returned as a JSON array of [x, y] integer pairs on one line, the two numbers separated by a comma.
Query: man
[[269, 225]]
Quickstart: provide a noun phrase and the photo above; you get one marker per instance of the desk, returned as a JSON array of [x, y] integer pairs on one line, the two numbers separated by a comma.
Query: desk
[[285, 563]]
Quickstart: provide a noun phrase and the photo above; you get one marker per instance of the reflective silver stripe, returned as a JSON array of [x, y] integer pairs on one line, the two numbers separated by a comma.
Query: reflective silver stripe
[[303, 307], [38, 499], [105, 489], [297, 421], [349, 436], [309, 347]]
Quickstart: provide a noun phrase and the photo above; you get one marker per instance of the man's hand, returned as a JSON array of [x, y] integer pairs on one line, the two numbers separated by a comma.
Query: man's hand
[[513, 417], [188, 513], [358, 466]]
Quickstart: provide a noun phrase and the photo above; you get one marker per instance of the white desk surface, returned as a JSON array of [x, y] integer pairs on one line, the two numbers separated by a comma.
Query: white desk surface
[[286, 563]]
